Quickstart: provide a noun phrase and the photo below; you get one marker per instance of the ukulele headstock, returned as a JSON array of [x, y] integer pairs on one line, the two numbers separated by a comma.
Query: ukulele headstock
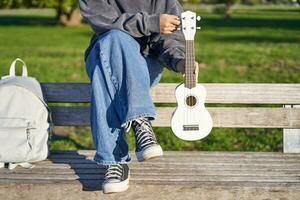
[[188, 24]]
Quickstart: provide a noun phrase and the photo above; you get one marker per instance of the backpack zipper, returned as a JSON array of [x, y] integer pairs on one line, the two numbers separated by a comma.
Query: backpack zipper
[[28, 138], [28, 133], [29, 126]]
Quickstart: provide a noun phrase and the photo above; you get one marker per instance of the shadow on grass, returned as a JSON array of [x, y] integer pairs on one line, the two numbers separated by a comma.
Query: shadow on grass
[[256, 39], [27, 20], [235, 22]]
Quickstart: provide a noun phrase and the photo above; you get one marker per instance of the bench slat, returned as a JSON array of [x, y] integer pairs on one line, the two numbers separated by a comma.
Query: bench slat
[[226, 93], [203, 156], [222, 117], [149, 171], [154, 189], [162, 169], [211, 154], [212, 166], [196, 162], [161, 177]]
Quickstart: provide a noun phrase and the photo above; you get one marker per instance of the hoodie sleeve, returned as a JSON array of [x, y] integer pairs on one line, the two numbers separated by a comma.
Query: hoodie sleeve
[[102, 17], [171, 46]]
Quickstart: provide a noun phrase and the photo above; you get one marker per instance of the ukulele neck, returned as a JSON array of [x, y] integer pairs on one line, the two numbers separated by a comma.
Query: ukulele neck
[[190, 72]]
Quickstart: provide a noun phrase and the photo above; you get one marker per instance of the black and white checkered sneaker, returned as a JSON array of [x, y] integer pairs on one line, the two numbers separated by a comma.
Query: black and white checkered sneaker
[[116, 178], [145, 140]]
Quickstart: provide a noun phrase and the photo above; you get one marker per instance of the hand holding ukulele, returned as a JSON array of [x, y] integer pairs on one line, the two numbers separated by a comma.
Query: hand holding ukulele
[[168, 23], [180, 66]]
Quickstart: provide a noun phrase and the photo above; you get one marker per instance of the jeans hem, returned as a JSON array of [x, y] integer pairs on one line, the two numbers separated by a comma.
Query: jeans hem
[[103, 162], [150, 115]]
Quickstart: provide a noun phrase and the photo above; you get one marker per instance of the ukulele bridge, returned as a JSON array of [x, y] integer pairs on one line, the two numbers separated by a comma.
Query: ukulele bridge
[[191, 127]]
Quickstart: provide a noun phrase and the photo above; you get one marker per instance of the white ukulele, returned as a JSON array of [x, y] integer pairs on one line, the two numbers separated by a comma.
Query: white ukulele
[[190, 121]]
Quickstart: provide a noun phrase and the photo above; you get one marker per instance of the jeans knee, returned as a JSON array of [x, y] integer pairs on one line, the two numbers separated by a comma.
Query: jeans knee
[[119, 36], [117, 33]]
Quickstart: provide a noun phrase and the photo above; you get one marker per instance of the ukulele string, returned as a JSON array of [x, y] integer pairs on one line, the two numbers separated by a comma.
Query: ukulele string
[[186, 82], [190, 74], [189, 55], [191, 64], [189, 79]]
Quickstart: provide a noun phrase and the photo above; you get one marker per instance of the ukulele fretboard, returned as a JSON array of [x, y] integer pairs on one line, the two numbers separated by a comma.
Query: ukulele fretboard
[[190, 76]]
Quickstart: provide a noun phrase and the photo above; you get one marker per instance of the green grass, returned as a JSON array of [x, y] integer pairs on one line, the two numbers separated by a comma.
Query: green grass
[[255, 46]]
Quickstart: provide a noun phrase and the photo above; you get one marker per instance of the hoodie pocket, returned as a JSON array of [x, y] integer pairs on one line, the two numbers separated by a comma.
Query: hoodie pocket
[[15, 139]]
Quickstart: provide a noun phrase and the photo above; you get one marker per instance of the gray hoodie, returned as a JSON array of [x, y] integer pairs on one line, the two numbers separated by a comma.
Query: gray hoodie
[[140, 19]]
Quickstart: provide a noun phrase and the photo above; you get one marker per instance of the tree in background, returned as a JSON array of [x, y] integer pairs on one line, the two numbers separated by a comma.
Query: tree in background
[[14, 3], [228, 6], [220, 6], [67, 12]]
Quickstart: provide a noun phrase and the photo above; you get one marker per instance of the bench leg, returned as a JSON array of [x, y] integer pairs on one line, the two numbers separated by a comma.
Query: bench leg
[[291, 137]]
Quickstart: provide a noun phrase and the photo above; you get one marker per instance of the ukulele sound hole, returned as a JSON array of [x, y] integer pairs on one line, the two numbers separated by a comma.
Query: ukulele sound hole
[[191, 101]]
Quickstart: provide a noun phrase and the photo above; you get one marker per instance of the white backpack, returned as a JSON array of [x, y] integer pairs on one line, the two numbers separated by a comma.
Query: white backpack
[[25, 120]]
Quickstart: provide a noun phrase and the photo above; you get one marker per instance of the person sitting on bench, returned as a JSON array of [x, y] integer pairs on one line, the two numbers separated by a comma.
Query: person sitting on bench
[[133, 41]]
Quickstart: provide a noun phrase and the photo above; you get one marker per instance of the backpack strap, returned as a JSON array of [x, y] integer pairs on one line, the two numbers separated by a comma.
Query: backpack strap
[[12, 70], [22, 164], [51, 124]]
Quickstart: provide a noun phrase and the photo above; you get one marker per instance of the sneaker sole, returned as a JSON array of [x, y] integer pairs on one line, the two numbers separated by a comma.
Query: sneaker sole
[[116, 187], [151, 152]]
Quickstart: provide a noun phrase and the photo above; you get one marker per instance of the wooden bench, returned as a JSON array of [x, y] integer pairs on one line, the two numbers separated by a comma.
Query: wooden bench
[[177, 175]]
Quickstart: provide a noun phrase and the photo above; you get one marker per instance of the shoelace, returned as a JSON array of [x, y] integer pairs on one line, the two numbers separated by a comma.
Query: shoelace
[[114, 172], [128, 126], [143, 132]]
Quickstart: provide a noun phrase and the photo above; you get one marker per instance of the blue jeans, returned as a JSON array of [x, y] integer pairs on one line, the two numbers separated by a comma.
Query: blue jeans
[[121, 79]]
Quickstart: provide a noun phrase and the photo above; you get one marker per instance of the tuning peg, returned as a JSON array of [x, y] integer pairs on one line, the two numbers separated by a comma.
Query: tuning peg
[[198, 27], [198, 18]]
